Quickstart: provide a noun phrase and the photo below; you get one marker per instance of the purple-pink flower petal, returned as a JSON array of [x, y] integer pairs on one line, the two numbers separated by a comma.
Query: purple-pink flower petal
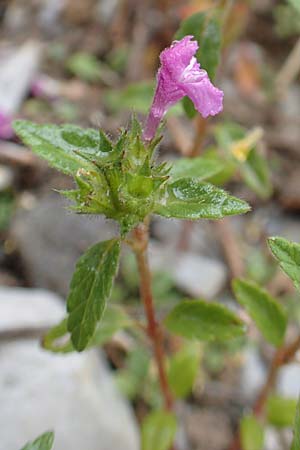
[[6, 129], [179, 75]]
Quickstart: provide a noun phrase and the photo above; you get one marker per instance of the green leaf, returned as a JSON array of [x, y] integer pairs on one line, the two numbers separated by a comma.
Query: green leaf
[[57, 340], [240, 146], [281, 411], [296, 439], [187, 198], [266, 312], [295, 4], [200, 168], [158, 431], [85, 66], [132, 378], [206, 29], [252, 434], [183, 369], [288, 255], [43, 442], [113, 320], [90, 288], [134, 97], [287, 19], [204, 321], [210, 46], [59, 144], [256, 174]]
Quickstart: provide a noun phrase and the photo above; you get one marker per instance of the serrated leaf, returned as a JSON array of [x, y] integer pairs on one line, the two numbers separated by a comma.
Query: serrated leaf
[[252, 433], [183, 369], [288, 255], [296, 438], [89, 290], [204, 321], [266, 312], [281, 411], [43, 442], [200, 168], [187, 198], [158, 431], [256, 174], [58, 144]]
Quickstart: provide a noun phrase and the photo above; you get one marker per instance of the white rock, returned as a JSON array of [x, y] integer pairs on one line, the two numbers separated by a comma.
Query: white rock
[[16, 75], [6, 177], [72, 394], [253, 374], [288, 380]]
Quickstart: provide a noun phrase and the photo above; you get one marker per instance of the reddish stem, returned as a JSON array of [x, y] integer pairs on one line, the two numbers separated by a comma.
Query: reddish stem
[[141, 241]]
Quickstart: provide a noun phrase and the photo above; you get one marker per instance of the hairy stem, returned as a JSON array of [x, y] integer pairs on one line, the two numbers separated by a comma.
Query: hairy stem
[[281, 357], [141, 245]]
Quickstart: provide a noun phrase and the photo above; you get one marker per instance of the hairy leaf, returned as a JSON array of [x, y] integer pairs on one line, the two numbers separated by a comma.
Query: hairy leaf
[[188, 198], [288, 255], [204, 321], [266, 312], [59, 144], [90, 288]]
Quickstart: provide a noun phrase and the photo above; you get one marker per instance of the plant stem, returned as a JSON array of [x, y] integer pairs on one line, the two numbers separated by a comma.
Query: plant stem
[[141, 237], [281, 357]]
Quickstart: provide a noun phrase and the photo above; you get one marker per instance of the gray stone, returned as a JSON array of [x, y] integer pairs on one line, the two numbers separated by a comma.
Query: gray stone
[[197, 275], [72, 394], [13, 87], [51, 239]]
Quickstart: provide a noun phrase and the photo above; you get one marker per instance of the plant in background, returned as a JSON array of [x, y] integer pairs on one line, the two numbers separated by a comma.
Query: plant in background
[[125, 182], [272, 320]]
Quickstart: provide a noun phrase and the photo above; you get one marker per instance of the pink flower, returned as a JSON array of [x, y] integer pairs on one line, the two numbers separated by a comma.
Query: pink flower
[[6, 129], [180, 75]]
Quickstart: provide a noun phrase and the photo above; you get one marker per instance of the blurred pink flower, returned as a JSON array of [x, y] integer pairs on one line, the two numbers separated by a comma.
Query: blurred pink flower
[[180, 75], [6, 130]]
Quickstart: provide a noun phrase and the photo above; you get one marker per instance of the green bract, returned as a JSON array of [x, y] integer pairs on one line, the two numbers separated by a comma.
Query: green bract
[[122, 180]]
